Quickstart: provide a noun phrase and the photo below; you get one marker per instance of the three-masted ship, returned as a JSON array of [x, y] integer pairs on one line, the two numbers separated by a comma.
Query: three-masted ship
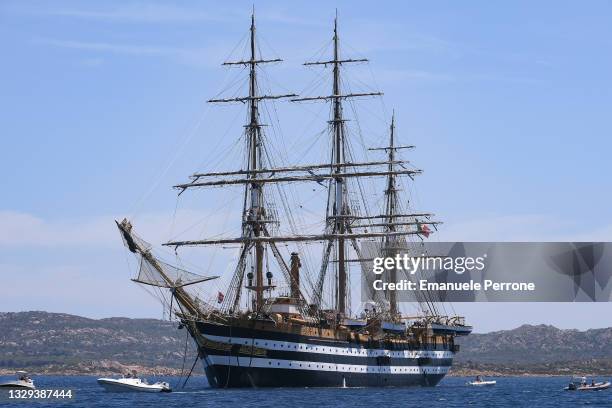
[[255, 335]]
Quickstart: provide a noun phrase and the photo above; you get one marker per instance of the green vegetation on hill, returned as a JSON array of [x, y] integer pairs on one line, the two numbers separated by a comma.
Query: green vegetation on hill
[[40, 340], [540, 349], [56, 342]]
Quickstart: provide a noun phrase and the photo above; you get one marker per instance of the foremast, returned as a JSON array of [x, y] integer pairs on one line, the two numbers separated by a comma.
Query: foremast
[[254, 213]]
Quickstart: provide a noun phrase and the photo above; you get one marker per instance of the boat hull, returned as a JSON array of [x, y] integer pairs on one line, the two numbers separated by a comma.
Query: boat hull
[[17, 386], [224, 376], [241, 357], [482, 383], [116, 386]]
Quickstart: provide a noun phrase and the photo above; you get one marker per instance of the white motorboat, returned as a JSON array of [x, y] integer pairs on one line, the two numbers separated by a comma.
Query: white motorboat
[[23, 382], [132, 384], [581, 384], [481, 382]]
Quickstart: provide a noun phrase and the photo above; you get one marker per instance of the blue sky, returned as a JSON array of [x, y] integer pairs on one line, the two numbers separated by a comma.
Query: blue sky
[[103, 109]]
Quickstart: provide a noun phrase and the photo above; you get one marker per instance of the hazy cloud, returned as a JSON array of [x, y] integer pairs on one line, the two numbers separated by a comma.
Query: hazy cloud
[[19, 229], [191, 56]]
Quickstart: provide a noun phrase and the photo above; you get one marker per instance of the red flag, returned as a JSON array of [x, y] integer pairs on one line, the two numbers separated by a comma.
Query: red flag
[[424, 229], [220, 297]]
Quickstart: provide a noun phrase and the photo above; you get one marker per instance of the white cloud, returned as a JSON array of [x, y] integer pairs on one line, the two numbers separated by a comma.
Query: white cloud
[[18, 229], [22, 229]]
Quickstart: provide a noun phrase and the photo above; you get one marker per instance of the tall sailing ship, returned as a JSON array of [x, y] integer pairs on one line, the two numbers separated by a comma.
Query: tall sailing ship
[[259, 334]]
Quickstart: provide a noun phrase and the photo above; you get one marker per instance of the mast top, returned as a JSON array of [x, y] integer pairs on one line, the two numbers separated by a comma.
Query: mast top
[[336, 25]]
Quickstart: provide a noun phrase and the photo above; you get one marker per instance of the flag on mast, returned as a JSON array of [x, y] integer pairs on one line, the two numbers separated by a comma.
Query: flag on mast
[[424, 229]]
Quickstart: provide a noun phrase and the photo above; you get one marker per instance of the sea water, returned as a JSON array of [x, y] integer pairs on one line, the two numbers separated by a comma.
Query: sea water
[[539, 392]]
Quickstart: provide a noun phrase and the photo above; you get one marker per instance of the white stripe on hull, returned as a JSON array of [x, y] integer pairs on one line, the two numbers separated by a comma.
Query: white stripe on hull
[[319, 366], [320, 349]]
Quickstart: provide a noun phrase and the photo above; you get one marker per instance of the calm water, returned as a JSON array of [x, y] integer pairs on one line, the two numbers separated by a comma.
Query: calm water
[[452, 392]]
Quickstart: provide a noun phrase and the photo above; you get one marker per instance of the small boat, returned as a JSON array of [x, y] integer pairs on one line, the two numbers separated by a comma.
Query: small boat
[[481, 382], [131, 383], [581, 384], [23, 382]]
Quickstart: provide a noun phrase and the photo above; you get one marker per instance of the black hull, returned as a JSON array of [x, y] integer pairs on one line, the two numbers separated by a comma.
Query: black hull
[[224, 376], [241, 357]]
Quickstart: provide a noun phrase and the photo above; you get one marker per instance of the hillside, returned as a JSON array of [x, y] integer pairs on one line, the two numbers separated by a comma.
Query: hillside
[[56, 342], [62, 343], [538, 349]]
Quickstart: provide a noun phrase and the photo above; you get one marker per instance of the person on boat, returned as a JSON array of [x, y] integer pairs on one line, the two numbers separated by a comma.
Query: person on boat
[[478, 379], [592, 382]]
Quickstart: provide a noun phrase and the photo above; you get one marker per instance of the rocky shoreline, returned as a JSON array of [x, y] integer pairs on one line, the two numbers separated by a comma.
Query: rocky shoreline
[[100, 368], [116, 368], [62, 344], [467, 372]]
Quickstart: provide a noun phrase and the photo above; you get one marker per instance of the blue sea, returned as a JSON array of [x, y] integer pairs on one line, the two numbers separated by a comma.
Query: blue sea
[[539, 392]]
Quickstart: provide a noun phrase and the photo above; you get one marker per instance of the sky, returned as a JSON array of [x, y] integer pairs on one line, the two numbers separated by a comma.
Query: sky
[[103, 109]]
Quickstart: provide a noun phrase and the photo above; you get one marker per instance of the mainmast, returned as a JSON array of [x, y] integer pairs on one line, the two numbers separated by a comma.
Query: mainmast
[[338, 211], [338, 207]]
